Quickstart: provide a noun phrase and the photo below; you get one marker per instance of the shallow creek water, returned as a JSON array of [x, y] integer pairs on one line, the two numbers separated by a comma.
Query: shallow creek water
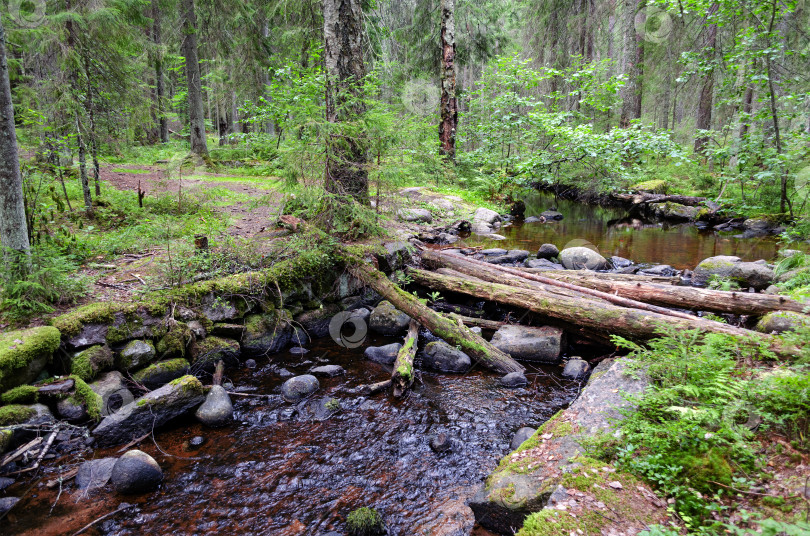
[[276, 472], [614, 233]]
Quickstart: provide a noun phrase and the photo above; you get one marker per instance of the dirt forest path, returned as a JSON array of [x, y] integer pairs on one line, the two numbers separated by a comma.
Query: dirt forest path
[[247, 218]]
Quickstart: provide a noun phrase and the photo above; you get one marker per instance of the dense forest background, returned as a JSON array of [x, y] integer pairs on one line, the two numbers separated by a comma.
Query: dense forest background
[[693, 97]]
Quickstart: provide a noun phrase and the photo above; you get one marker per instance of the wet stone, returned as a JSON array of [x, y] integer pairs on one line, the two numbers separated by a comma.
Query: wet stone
[[136, 472], [514, 379], [520, 436], [441, 443], [383, 354], [251, 364], [328, 371], [196, 441], [298, 350], [299, 387], [95, 473], [576, 368]]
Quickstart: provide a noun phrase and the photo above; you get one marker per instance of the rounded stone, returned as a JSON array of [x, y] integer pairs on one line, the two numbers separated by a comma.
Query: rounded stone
[[582, 258], [299, 387], [196, 441], [251, 364], [217, 410], [547, 251], [136, 472], [520, 436], [441, 443], [514, 379]]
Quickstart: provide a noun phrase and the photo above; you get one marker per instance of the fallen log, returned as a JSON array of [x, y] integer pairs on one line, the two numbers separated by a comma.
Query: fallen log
[[402, 378], [696, 299], [604, 318], [482, 323], [574, 276], [501, 274], [477, 348], [645, 198]]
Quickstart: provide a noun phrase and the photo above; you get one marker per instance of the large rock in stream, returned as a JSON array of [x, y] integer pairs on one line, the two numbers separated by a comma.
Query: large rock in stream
[[217, 410], [441, 356], [526, 479], [755, 274], [150, 411], [582, 258], [542, 344], [136, 472], [387, 320]]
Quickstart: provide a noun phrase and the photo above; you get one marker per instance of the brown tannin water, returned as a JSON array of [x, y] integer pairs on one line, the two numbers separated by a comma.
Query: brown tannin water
[[280, 470]]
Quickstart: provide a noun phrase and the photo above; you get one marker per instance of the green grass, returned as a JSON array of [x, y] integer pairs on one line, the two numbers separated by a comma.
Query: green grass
[[132, 171]]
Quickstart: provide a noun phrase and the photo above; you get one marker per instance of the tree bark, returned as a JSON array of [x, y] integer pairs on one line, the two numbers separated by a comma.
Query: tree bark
[[695, 299], [92, 118], [345, 173], [601, 318], [705, 104], [587, 275], [441, 326], [633, 64], [448, 104], [402, 378], [163, 123], [88, 200], [783, 199], [196, 114], [13, 225]]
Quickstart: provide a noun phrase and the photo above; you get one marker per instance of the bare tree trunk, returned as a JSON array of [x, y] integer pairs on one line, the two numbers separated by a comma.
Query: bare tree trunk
[[163, 123], [345, 173], [196, 114], [783, 199], [13, 225], [633, 49], [449, 104], [88, 201], [704, 115], [91, 116]]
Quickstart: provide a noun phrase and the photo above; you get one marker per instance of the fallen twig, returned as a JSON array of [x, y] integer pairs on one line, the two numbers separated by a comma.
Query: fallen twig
[[42, 454], [121, 507], [21, 450]]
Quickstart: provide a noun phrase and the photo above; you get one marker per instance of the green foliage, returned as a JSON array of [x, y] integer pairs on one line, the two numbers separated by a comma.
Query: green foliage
[[334, 214], [33, 285], [694, 433], [15, 414], [365, 522]]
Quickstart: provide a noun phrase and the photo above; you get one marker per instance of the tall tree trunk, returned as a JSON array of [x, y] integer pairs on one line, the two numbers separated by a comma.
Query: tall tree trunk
[[92, 118], [704, 114], [196, 114], [783, 199], [88, 201], [163, 123], [633, 48], [346, 173], [13, 226], [747, 107], [449, 104]]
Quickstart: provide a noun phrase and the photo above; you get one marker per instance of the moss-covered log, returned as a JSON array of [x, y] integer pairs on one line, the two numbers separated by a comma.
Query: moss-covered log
[[402, 378], [600, 317], [441, 326]]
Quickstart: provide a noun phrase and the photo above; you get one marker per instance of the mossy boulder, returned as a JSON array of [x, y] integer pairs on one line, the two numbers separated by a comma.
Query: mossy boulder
[[25, 353], [757, 275], [82, 405], [387, 320], [526, 479], [207, 352], [15, 414], [175, 342], [88, 363], [678, 212], [267, 333], [136, 354], [161, 372], [6, 434], [316, 321], [24, 394], [781, 321], [655, 186], [152, 410]]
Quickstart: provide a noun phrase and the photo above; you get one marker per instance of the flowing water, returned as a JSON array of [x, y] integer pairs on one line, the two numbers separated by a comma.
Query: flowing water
[[281, 472], [614, 233]]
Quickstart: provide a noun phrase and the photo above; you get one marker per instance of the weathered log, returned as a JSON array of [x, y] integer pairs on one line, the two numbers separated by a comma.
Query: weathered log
[[402, 378], [600, 317], [573, 276], [644, 198], [441, 326], [482, 323], [501, 274], [696, 299]]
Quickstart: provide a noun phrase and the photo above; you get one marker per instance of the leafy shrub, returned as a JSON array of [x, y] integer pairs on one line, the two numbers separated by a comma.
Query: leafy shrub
[[33, 285], [365, 522]]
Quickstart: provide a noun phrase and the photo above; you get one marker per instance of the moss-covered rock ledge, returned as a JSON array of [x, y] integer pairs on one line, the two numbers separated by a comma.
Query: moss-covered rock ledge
[[547, 477], [24, 354]]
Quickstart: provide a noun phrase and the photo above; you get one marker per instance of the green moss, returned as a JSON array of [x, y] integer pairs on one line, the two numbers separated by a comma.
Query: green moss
[[5, 439], [169, 366], [85, 396], [175, 342], [24, 394], [70, 324], [365, 522], [555, 426], [88, 363], [15, 414], [656, 186], [20, 349]]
